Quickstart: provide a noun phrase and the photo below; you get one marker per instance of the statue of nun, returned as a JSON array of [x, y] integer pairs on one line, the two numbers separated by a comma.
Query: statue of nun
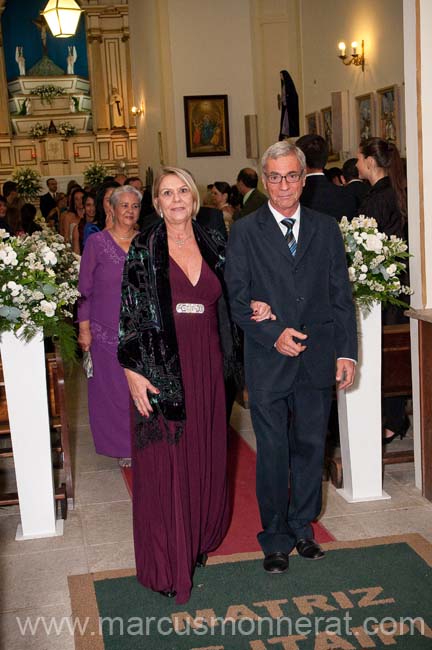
[[289, 122]]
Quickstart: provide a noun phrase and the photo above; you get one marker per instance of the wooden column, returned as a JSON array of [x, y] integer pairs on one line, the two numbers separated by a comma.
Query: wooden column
[[130, 100], [424, 318], [99, 96]]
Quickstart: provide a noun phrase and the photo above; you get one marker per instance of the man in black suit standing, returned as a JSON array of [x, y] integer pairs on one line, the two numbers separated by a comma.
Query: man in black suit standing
[[48, 201], [352, 184], [319, 193], [247, 185], [293, 258]]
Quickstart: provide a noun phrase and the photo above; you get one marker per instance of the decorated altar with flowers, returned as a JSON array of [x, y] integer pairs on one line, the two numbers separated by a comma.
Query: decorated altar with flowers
[[38, 281], [375, 264]]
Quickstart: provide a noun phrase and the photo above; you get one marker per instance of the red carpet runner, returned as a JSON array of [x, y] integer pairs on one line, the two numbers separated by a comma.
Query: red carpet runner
[[245, 522]]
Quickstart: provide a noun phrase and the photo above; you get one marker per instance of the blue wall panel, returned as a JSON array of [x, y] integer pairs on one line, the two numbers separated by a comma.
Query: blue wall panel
[[18, 29]]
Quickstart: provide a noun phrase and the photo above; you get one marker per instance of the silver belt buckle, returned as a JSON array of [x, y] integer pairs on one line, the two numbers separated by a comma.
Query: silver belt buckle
[[189, 308]]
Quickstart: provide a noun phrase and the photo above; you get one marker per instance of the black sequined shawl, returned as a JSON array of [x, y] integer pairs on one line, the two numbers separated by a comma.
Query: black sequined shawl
[[147, 336]]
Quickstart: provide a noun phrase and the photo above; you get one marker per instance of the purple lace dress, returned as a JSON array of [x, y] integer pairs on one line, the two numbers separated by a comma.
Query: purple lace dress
[[108, 393]]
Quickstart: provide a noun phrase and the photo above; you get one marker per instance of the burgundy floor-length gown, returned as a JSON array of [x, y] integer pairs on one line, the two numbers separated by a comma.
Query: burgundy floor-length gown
[[180, 500], [108, 392]]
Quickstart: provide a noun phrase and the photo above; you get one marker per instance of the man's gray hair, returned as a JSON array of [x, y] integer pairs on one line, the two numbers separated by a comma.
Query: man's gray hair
[[124, 189], [282, 149]]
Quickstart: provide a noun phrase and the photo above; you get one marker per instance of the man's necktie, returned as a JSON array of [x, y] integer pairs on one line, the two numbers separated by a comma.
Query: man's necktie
[[291, 240]]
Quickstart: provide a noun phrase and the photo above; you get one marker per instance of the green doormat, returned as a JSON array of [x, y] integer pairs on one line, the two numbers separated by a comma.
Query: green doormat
[[370, 594]]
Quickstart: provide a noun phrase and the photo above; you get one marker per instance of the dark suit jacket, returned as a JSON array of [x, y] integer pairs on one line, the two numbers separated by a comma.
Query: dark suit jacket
[[255, 201], [310, 292], [212, 218], [326, 197], [358, 190], [47, 203], [207, 217]]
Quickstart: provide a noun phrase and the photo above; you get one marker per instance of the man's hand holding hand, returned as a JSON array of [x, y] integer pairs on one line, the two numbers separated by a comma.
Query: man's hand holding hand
[[286, 344]]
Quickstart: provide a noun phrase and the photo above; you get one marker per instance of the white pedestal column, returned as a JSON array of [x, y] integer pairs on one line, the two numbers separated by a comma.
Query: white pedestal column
[[26, 394], [359, 411]]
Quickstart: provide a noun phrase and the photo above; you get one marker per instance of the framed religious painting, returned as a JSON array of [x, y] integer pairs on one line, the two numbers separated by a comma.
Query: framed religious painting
[[206, 125], [312, 123], [389, 114], [365, 117], [327, 132]]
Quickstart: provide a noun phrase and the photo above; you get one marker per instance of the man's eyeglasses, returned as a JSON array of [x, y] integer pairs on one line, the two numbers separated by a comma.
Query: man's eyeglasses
[[291, 177]]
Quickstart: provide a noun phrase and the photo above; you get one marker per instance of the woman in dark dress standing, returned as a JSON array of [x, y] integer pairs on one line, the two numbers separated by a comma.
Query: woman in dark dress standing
[[379, 163], [176, 343]]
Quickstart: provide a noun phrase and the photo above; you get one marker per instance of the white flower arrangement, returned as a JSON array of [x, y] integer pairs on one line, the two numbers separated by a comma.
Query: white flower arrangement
[[38, 286], [94, 174], [38, 130], [47, 93], [28, 182], [66, 129], [374, 262]]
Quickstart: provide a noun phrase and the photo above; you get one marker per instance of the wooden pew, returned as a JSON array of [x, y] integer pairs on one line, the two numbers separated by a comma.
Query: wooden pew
[[59, 429]]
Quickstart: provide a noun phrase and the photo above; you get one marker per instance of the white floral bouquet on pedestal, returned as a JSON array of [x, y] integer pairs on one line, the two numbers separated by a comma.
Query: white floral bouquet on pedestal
[[28, 182], [375, 262], [94, 174], [38, 287]]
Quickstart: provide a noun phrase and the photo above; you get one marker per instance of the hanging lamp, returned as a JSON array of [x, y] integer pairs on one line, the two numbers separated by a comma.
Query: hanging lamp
[[62, 17]]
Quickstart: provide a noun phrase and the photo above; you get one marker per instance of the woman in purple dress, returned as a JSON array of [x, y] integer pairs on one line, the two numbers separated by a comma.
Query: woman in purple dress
[[98, 315], [176, 343]]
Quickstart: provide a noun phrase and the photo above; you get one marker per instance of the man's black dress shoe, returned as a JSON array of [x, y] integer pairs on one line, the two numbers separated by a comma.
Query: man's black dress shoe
[[309, 549], [168, 594], [201, 560], [276, 562]]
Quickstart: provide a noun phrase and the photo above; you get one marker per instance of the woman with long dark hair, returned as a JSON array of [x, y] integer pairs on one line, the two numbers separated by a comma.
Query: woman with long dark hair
[[379, 162], [103, 208], [221, 192]]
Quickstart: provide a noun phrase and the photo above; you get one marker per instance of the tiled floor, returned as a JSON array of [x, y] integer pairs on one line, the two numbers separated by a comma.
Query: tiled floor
[[98, 532]]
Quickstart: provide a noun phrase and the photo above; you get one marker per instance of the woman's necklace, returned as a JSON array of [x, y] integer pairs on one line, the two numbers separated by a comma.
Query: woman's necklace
[[178, 241], [123, 238]]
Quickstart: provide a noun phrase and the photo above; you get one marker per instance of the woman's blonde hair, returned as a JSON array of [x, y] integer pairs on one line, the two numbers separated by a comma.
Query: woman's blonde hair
[[184, 176]]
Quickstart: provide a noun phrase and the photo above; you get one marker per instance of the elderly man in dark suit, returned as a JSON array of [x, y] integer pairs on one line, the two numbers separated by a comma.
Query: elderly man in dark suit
[[253, 198], [319, 193], [293, 258], [48, 201]]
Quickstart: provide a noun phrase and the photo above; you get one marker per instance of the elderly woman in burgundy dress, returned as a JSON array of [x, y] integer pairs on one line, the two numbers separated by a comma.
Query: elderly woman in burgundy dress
[[98, 315], [176, 343]]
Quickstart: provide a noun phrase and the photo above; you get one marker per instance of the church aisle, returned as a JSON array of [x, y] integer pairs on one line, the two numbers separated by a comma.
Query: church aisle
[[98, 532]]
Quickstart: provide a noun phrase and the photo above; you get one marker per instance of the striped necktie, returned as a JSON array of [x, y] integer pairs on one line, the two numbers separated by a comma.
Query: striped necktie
[[289, 236]]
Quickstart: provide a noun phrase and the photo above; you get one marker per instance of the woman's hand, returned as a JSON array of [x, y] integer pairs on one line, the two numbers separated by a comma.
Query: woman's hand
[[261, 311], [84, 336], [138, 387]]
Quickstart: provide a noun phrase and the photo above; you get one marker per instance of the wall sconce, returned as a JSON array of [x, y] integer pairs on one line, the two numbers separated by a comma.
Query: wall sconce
[[136, 111], [62, 17], [76, 153], [356, 58]]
